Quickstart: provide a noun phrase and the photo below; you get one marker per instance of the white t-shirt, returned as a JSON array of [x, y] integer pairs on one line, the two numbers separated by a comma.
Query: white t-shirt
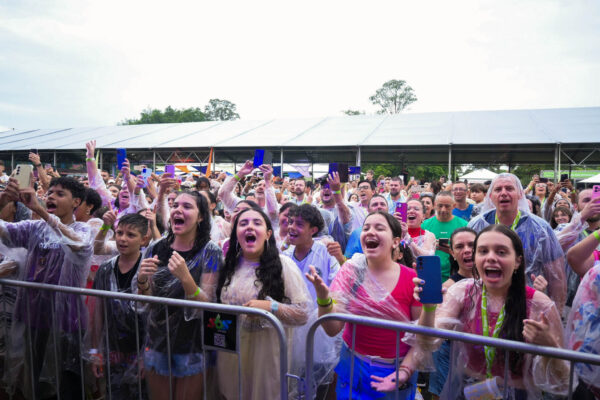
[[325, 264]]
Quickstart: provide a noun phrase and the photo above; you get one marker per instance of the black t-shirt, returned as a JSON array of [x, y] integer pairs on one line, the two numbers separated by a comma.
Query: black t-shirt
[[124, 280], [457, 277]]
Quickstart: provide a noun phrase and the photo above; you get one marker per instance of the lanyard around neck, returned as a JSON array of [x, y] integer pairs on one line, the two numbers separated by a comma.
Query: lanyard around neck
[[490, 352], [514, 224]]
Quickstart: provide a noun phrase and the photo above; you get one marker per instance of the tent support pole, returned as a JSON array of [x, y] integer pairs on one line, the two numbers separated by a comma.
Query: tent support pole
[[154, 160], [358, 157], [99, 160], [55, 161], [556, 163], [281, 162], [559, 150], [12, 161], [450, 162]]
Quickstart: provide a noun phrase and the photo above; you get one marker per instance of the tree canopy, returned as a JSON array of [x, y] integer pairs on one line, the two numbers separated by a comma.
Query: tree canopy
[[215, 110], [393, 97]]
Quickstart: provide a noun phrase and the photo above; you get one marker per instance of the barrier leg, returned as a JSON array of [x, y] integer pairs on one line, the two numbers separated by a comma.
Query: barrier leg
[[107, 358], [137, 351], [397, 363], [571, 376], [79, 337], [54, 334], [352, 361], [169, 352], [29, 344], [506, 365]]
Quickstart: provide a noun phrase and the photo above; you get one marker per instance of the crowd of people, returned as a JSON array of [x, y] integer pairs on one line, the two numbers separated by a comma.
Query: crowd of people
[[519, 263]]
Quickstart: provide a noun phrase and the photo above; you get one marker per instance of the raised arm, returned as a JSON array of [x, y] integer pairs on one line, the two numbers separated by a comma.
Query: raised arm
[[94, 178], [226, 192], [333, 180]]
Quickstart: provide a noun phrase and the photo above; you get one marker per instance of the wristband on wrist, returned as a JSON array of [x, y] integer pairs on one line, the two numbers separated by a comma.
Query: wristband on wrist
[[274, 307], [429, 308], [324, 302], [237, 178], [337, 192], [596, 235], [105, 227], [144, 284], [196, 293], [90, 159], [408, 371]]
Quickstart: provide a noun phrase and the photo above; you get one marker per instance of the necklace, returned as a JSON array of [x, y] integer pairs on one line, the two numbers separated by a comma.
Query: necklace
[[514, 224]]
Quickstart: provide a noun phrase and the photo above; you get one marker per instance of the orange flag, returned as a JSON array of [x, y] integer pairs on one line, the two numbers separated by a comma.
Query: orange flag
[[210, 159]]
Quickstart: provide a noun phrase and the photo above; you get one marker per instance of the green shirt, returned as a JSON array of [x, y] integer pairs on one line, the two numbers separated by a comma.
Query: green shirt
[[443, 230]]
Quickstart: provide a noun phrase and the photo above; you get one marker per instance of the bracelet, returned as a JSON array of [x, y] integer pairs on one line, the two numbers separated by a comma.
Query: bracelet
[[196, 293], [90, 159], [144, 284], [596, 235], [37, 165], [324, 302], [337, 192], [105, 227], [429, 308], [237, 178], [274, 307]]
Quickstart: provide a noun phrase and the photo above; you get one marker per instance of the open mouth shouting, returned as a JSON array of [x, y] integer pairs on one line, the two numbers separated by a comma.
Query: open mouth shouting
[[292, 235], [493, 274], [371, 243], [177, 222], [51, 206]]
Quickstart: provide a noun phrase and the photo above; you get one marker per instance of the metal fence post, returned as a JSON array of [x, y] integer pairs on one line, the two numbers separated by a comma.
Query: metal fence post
[[169, 352]]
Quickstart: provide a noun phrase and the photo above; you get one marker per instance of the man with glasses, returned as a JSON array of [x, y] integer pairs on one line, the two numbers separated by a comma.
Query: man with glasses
[[366, 190], [442, 225], [462, 209]]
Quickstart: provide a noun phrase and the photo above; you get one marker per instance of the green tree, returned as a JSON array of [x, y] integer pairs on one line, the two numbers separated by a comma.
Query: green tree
[[393, 97], [221, 110], [215, 110], [353, 112]]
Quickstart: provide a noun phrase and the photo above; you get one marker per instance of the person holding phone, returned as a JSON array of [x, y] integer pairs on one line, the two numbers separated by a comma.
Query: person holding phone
[[396, 194], [496, 302], [420, 241], [442, 225], [373, 285]]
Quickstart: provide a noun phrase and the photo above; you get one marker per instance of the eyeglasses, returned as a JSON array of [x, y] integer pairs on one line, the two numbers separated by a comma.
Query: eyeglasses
[[364, 187]]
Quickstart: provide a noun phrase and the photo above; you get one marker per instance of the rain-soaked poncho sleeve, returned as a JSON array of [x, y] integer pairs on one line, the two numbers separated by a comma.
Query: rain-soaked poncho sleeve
[[583, 326], [97, 183], [568, 234], [226, 194]]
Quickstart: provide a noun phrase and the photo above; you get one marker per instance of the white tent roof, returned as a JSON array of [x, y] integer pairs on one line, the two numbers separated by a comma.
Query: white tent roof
[[479, 175], [549, 126], [591, 179]]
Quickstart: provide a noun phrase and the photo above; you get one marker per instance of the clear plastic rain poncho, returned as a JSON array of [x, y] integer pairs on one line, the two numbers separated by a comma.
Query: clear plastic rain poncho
[[259, 343], [543, 252], [583, 326], [355, 290], [56, 254], [184, 324], [115, 320], [461, 311]]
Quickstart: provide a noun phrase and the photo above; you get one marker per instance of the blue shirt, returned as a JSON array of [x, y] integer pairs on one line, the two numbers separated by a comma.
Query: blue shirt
[[353, 245], [464, 214]]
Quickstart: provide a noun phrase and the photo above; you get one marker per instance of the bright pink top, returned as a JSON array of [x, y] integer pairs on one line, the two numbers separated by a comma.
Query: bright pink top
[[377, 341], [475, 353]]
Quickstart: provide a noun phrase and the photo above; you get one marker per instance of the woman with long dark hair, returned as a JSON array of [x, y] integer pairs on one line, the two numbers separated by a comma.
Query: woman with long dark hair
[[256, 275], [497, 303], [183, 265]]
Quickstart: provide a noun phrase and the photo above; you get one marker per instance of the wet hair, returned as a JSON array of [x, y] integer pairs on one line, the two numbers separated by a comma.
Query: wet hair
[[564, 210], [436, 187], [71, 184], [202, 180], [537, 205], [444, 193], [202, 228], [478, 187], [92, 198], [417, 201], [310, 214], [269, 273], [515, 305], [136, 221], [453, 262], [212, 198], [286, 206], [371, 183]]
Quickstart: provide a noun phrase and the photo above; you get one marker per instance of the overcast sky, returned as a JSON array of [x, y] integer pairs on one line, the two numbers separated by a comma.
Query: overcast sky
[[69, 63]]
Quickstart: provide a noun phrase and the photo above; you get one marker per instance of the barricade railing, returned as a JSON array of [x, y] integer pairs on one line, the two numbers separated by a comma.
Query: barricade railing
[[167, 302], [506, 345]]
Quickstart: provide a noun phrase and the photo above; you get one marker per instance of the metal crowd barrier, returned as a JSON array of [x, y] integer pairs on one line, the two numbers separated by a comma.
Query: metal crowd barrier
[[167, 302], [506, 345]]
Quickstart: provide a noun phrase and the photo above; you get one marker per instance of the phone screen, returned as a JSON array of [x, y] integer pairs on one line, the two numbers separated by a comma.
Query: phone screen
[[121, 156]]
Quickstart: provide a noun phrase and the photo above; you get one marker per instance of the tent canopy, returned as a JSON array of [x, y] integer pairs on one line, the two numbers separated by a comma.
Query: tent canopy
[[592, 179], [479, 176]]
